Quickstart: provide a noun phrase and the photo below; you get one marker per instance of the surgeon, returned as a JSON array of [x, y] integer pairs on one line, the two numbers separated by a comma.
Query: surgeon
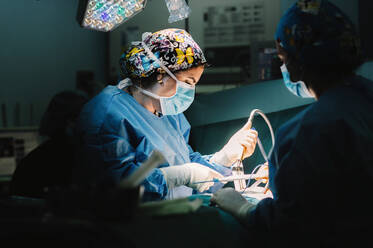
[[120, 127], [321, 170]]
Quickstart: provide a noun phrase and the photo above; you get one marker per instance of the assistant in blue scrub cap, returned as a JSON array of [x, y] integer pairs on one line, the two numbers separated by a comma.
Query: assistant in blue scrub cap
[[320, 171]]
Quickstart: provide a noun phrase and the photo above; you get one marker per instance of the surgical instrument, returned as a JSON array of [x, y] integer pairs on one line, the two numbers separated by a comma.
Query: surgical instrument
[[237, 168], [233, 178]]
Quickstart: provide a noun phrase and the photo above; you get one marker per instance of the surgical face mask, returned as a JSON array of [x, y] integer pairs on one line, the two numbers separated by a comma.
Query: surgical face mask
[[180, 101], [177, 103], [297, 88]]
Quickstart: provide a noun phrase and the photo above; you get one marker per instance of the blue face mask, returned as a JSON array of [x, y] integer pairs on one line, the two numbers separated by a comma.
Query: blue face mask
[[177, 103], [297, 88], [172, 105], [183, 97]]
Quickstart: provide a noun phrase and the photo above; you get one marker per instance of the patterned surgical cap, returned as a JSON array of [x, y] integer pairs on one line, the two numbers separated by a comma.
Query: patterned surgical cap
[[175, 48]]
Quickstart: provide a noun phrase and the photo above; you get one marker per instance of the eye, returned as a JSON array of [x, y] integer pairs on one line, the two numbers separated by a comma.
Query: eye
[[190, 81]]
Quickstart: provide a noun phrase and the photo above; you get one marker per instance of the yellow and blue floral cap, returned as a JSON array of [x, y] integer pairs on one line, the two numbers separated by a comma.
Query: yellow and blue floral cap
[[175, 48]]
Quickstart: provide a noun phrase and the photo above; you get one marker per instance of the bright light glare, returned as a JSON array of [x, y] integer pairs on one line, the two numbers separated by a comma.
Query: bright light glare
[[105, 15]]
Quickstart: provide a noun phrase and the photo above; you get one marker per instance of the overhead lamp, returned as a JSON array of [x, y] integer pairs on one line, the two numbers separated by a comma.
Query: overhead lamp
[[106, 15]]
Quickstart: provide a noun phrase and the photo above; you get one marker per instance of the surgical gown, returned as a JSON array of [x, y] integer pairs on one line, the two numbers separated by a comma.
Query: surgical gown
[[115, 135], [321, 173]]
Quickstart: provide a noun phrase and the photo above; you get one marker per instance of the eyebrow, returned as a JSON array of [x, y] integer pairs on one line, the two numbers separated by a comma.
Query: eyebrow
[[194, 80]]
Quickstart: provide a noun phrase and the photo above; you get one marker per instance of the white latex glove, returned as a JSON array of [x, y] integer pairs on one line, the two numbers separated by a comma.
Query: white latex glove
[[245, 138], [263, 171], [189, 174], [232, 202]]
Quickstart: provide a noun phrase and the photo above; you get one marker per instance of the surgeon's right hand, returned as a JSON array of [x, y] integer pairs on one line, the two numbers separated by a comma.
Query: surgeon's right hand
[[240, 146], [189, 174]]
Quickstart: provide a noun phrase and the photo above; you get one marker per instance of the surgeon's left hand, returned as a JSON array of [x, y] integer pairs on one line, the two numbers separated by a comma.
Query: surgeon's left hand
[[232, 202], [244, 140]]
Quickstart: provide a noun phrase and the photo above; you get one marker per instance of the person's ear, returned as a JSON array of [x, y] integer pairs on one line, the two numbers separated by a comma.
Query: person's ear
[[160, 78], [296, 69], [160, 75]]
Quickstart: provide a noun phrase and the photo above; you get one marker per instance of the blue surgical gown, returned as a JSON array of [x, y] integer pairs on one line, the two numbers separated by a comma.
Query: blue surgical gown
[[115, 135], [321, 173]]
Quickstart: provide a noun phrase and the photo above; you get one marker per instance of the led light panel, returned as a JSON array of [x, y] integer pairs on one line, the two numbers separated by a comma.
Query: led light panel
[[105, 15]]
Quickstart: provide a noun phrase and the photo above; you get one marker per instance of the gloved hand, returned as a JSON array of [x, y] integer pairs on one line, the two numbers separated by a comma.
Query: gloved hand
[[245, 138], [188, 174], [232, 202], [263, 171]]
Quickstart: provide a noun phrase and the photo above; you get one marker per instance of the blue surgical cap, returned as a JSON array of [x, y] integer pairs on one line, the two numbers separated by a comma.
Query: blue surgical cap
[[317, 32]]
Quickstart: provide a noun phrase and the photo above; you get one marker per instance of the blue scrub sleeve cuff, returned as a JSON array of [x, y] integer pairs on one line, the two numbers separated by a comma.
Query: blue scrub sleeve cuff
[[205, 160], [155, 186]]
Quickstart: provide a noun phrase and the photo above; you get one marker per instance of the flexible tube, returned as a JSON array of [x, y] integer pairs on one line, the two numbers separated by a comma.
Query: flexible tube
[[261, 148], [252, 114]]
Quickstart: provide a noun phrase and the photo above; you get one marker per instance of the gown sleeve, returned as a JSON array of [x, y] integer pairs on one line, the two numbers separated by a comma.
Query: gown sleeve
[[115, 157]]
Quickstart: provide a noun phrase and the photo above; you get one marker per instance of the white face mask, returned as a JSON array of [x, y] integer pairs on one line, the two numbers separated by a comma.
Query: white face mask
[[297, 88]]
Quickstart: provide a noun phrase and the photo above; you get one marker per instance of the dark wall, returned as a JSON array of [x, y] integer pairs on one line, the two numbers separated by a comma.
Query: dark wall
[[41, 48]]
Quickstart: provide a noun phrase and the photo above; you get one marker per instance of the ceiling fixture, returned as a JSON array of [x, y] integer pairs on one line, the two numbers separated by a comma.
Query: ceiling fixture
[[106, 15]]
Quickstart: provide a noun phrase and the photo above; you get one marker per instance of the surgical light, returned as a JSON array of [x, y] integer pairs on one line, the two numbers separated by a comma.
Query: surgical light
[[105, 15]]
